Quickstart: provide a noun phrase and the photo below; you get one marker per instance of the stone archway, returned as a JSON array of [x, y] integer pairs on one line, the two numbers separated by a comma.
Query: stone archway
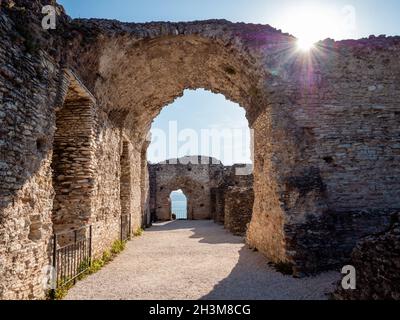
[[195, 176], [138, 76], [198, 198]]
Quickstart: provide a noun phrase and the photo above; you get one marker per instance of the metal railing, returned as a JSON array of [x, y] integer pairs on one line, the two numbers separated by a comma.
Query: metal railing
[[72, 255]]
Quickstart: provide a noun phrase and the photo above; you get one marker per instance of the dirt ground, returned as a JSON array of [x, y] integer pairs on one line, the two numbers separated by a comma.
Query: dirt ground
[[195, 260]]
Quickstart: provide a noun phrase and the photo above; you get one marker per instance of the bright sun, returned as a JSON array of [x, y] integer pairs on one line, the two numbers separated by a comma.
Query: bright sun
[[305, 44], [310, 24]]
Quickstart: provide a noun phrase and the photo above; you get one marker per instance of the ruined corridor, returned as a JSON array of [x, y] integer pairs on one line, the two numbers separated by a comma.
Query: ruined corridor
[[76, 108], [196, 260]]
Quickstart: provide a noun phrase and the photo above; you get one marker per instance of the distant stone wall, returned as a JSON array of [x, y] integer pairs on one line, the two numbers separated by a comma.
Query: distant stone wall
[[377, 262], [238, 209], [238, 175], [203, 180], [218, 207], [192, 179]]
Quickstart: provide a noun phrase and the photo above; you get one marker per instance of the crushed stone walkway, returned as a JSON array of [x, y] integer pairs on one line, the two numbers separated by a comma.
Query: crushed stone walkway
[[195, 260]]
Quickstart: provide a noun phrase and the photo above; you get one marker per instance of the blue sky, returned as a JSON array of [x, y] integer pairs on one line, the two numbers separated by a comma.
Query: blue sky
[[316, 19], [207, 124], [373, 16]]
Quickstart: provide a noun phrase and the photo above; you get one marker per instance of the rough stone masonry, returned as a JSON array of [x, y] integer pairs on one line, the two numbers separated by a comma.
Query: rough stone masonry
[[77, 102], [205, 181]]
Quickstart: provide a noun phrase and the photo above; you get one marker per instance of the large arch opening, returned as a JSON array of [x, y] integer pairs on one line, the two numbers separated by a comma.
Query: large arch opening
[[137, 77], [201, 139], [201, 123]]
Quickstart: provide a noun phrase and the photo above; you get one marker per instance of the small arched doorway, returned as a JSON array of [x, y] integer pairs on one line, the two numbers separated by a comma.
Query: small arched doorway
[[179, 208]]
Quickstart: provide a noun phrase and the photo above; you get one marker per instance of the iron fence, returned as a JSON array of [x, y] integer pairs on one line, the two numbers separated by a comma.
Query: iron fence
[[72, 255]]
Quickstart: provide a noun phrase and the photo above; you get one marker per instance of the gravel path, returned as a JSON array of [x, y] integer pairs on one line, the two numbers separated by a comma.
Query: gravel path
[[195, 260]]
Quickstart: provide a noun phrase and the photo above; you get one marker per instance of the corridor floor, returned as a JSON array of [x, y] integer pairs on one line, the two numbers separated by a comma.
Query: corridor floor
[[195, 260]]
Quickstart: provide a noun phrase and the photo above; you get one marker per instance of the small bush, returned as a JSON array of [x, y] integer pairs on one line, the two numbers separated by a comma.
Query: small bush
[[61, 291], [107, 256], [84, 265], [83, 269], [97, 264], [138, 232], [117, 247]]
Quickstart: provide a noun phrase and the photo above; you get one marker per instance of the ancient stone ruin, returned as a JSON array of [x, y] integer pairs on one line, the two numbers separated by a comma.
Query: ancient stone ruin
[[209, 187], [77, 103]]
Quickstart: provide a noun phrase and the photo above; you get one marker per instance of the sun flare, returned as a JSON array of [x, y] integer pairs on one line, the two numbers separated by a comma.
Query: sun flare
[[310, 24], [305, 44]]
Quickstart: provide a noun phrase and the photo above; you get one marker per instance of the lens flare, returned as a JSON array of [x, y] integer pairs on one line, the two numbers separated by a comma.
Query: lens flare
[[312, 23], [305, 44]]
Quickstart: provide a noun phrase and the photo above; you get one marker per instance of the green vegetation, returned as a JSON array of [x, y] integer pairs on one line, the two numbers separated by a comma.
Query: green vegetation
[[139, 232], [96, 265], [117, 247], [107, 256], [63, 285], [86, 268]]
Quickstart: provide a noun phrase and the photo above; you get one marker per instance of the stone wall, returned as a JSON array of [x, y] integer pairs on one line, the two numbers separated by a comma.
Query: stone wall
[[145, 187], [195, 176], [238, 175], [238, 209], [217, 204], [377, 262], [59, 159], [327, 117], [29, 86], [203, 180], [73, 159]]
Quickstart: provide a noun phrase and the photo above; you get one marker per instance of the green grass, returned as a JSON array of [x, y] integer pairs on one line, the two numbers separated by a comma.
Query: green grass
[[138, 232], [87, 268], [62, 290], [117, 247], [96, 266], [107, 256]]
